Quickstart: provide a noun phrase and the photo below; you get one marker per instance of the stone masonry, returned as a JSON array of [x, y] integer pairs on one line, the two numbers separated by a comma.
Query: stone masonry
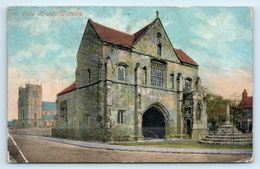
[[32, 111], [131, 87], [227, 134], [30, 106]]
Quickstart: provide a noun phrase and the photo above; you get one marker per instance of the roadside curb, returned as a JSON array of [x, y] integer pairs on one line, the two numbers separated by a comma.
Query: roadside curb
[[14, 152], [98, 145]]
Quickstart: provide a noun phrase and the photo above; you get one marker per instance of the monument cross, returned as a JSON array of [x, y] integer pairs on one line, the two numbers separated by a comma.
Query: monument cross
[[227, 114]]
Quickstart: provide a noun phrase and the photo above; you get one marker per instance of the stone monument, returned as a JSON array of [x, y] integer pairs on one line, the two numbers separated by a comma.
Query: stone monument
[[227, 134]]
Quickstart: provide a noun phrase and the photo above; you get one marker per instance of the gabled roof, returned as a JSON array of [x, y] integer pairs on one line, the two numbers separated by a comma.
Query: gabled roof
[[116, 37], [142, 31], [68, 89], [124, 39], [184, 57], [113, 36], [246, 103]]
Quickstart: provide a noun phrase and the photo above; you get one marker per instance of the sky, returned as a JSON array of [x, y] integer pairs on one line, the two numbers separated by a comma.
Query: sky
[[43, 43]]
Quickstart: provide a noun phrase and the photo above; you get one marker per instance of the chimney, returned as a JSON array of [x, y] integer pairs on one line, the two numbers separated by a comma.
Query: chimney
[[244, 94]]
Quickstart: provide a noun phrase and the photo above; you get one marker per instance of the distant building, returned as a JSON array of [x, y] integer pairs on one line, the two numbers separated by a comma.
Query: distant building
[[31, 108], [48, 113], [12, 124], [246, 113]]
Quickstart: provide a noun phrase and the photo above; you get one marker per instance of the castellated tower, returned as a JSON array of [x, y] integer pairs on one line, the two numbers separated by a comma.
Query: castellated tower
[[30, 106]]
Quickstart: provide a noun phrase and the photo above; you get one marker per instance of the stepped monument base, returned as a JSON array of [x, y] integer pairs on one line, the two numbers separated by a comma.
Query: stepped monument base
[[227, 134]]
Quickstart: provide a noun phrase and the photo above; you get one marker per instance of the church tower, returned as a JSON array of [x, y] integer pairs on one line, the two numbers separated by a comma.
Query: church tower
[[30, 106]]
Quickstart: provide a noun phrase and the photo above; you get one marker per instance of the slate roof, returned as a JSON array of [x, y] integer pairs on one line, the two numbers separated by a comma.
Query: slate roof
[[48, 106]]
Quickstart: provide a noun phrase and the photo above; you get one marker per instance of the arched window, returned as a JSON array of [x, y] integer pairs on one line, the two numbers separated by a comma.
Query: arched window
[[198, 111], [159, 44], [172, 80], [120, 116], [188, 84], [89, 76], [121, 72], [159, 49], [144, 76]]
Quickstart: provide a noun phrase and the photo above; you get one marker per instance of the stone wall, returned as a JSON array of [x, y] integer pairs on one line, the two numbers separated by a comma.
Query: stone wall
[[85, 119], [30, 106], [99, 95], [71, 103], [124, 94], [88, 58], [148, 43], [32, 131]]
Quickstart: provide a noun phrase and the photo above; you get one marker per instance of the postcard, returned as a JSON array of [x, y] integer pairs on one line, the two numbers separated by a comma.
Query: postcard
[[130, 84]]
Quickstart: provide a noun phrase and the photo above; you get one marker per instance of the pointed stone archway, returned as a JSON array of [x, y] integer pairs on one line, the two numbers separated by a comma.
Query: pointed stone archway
[[155, 122]]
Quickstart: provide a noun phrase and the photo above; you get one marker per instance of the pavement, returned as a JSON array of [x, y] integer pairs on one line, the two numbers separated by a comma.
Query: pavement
[[99, 145], [38, 149], [14, 152], [11, 158]]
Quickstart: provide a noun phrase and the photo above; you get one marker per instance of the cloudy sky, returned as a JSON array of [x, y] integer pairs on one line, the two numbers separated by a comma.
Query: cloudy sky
[[43, 42]]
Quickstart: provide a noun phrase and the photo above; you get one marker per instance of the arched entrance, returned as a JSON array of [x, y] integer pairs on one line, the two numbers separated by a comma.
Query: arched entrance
[[153, 124], [189, 127]]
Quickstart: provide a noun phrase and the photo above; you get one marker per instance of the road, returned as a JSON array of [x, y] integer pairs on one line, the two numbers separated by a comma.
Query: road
[[38, 150]]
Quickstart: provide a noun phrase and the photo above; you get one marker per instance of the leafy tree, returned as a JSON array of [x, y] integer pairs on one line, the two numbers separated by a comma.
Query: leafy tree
[[235, 99], [216, 109]]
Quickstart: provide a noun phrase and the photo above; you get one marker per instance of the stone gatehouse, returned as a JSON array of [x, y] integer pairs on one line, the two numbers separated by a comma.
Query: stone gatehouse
[[131, 87]]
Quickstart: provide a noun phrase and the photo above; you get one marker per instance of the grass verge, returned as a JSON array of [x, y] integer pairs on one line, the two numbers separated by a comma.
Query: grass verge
[[185, 144]]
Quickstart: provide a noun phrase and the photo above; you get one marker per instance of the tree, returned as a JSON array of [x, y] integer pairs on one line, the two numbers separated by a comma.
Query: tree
[[216, 108], [235, 99]]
